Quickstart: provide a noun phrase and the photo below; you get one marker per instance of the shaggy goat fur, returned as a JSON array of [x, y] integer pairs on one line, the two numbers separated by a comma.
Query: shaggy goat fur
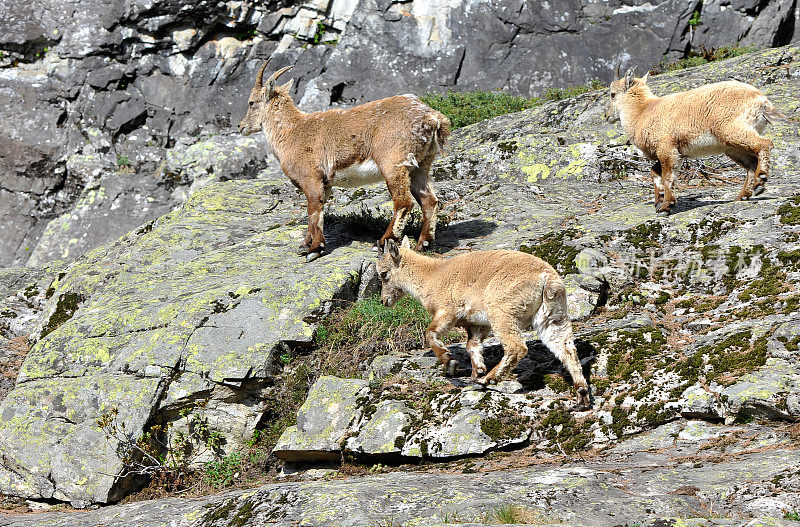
[[500, 292], [395, 139], [720, 118]]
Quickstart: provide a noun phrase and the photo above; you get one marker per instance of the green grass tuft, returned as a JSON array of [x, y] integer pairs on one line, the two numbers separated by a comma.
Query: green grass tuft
[[370, 322], [701, 56], [465, 108]]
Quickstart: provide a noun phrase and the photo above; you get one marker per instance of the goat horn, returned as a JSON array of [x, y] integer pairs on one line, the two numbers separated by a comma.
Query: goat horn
[[260, 76], [278, 73], [616, 71]]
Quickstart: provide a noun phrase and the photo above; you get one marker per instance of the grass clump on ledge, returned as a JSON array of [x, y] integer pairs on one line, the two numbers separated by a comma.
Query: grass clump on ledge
[[368, 328], [465, 108], [700, 57]]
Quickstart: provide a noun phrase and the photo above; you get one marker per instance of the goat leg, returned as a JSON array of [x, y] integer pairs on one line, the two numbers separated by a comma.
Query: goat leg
[[315, 195], [438, 324]]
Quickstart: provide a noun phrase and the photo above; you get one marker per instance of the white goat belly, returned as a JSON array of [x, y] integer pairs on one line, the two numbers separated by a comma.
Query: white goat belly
[[469, 315], [358, 175], [704, 145]]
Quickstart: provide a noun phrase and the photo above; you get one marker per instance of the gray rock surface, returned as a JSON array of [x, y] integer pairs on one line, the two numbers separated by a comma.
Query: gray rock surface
[[322, 421], [693, 482], [164, 305], [129, 80], [197, 305]]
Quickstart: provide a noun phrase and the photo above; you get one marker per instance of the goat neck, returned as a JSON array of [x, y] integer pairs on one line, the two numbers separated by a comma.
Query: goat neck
[[416, 270], [637, 100]]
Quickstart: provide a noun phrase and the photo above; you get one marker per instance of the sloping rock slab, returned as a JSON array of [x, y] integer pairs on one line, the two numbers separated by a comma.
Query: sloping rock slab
[[209, 289], [50, 438], [322, 421], [623, 487]]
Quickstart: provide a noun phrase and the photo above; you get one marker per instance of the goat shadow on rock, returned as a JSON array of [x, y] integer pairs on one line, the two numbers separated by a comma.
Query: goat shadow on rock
[[689, 202], [532, 368], [341, 229]]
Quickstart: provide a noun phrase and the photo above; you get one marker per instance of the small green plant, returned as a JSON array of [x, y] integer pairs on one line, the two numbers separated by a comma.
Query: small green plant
[[317, 38], [465, 108], [700, 57], [452, 517], [506, 514], [246, 34], [162, 451], [226, 471], [695, 20], [557, 94], [123, 161], [792, 515]]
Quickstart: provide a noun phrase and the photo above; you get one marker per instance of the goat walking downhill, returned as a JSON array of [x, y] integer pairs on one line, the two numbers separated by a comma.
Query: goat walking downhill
[[395, 139], [502, 292], [721, 118]]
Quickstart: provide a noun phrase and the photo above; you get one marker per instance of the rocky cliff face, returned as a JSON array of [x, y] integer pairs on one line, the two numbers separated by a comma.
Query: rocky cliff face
[[693, 316], [96, 94]]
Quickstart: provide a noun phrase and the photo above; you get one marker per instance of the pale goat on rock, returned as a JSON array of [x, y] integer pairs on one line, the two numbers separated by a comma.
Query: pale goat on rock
[[721, 118], [500, 292]]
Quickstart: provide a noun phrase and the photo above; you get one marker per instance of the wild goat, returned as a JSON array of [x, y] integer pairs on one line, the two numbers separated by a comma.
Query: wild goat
[[724, 117], [485, 291], [395, 139]]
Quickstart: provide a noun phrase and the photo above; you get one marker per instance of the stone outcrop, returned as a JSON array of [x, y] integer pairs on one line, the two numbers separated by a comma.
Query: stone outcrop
[[689, 316], [119, 84], [169, 314], [683, 473]]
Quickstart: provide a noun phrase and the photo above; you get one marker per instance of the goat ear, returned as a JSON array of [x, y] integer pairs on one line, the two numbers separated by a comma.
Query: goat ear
[[646, 76], [406, 244], [288, 85], [629, 76], [393, 250]]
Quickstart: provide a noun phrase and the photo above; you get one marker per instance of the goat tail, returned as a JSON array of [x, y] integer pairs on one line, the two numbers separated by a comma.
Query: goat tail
[[770, 113], [441, 131]]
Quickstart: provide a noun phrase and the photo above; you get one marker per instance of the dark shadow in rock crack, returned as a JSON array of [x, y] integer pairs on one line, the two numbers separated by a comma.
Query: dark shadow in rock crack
[[451, 235], [531, 370], [687, 203]]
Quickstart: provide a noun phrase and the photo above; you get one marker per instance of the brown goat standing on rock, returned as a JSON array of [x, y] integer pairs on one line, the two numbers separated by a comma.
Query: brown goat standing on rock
[[720, 118], [395, 139], [500, 292]]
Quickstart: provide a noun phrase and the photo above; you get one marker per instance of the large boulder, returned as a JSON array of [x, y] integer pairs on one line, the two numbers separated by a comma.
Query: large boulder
[[323, 421], [209, 292]]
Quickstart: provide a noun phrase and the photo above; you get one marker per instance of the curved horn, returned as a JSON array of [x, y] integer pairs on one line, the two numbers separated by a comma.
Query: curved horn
[[278, 73], [260, 76], [616, 71]]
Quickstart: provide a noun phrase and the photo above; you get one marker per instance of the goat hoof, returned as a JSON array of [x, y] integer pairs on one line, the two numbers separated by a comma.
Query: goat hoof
[[310, 257], [302, 250], [485, 381], [422, 246], [662, 213], [658, 205], [451, 368], [758, 189]]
